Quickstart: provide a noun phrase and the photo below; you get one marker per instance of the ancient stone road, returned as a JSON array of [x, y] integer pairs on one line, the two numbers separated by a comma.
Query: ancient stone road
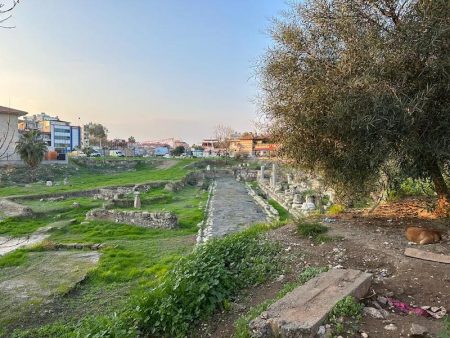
[[232, 208]]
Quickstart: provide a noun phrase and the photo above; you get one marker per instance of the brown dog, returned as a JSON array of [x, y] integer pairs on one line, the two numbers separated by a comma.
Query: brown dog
[[422, 235]]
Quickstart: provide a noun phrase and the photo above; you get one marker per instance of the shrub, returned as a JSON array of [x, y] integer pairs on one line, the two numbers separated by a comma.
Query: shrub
[[336, 209]]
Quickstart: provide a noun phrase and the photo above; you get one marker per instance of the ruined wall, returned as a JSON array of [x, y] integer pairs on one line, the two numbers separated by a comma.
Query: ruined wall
[[157, 220], [10, 208]]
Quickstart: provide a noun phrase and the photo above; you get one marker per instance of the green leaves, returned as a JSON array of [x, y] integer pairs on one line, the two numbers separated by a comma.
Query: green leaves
[[350, 85], [205, 280]]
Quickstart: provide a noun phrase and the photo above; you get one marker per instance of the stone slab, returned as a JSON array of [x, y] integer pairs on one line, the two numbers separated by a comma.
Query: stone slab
[[427, 256], [302, 311]]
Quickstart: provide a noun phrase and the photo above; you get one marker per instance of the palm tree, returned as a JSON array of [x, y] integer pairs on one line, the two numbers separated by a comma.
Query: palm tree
[[31, 149]]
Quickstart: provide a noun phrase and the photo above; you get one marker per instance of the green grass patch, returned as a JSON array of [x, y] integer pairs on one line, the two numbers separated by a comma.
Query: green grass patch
[[15, 258], [282, 212], [314, 231], [199, 284], [86, 178], [241, 325], [346, 316]]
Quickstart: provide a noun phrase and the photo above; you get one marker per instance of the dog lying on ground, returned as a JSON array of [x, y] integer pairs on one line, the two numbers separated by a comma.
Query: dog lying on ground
[[423, 235]]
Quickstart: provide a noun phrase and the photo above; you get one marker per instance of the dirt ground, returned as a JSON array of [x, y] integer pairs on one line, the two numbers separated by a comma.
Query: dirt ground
[[374, 243]]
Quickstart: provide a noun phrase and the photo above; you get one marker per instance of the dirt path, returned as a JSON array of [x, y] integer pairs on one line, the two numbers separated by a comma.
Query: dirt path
[[374, 244]]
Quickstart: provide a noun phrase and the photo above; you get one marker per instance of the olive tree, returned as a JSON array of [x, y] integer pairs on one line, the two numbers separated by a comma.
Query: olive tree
[[351, 87]]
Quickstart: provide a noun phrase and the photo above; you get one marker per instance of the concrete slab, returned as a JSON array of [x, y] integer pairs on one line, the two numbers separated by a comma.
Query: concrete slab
[[302, 311], [427, 256]]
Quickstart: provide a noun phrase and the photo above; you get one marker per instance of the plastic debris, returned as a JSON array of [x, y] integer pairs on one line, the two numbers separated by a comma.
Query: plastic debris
[[424, 311]]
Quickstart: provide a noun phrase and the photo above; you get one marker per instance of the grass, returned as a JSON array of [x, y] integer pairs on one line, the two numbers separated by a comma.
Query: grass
[[134, 258], [86, 178], [282, 212], [445, 333], [187, 204], [45, 214], [15, 258], [314, 231], [242, 324], [200, 283]]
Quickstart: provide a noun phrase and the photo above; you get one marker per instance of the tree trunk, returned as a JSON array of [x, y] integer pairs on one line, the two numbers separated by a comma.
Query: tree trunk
[[441, 188]]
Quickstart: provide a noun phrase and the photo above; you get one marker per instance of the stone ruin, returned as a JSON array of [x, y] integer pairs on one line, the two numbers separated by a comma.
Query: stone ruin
[[10, 208], [154, 220], [296, 192]]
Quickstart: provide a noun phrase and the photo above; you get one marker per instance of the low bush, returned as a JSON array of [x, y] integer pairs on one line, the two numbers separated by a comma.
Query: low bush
[[336, 209]]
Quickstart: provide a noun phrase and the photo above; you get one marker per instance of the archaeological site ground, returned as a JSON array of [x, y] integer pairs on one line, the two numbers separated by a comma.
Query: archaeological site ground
[[210, 248]]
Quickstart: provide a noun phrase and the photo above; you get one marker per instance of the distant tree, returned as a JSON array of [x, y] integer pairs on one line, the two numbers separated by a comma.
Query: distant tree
[[98, 134], [352, 86], [224, 135], [178, 151], [31, 149], [131, 140], [5, 10]]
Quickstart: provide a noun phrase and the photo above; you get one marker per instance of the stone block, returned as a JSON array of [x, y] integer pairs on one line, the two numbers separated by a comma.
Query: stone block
[[301, 312]]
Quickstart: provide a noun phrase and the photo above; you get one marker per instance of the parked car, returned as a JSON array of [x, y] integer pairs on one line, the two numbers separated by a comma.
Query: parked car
[[95, 154], [77, 153], [116, 153]]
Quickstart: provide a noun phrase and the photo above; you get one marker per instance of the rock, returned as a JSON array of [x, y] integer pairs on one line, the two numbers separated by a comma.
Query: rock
[[382, 300], [364, 335], [302, 311], [374, 313], [417, 330], [76, 205], [321, 331], [162, 220], [390, 327], [49, 183], [280, 278]]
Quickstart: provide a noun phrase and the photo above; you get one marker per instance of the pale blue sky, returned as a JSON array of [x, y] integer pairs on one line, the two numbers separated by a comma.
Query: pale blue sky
[[152, 69]]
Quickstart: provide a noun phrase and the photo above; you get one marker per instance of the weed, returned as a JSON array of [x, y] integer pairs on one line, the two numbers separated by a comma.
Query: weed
[[346, 315], [336, 209], [314, 231]]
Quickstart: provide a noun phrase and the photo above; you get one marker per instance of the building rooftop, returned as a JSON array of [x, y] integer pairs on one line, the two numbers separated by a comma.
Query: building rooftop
[[6, 110]]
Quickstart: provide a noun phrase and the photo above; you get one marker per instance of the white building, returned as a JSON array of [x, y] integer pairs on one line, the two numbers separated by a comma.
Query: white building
[[9, 134]]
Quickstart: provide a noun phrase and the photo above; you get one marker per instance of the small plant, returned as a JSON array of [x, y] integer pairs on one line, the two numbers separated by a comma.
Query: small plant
[[445, 333], [346, 315], [314, 231], [336, 209]]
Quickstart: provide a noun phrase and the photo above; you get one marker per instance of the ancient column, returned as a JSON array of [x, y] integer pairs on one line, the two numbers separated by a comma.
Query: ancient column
[[261, 173], [137, 200], [274, 176]]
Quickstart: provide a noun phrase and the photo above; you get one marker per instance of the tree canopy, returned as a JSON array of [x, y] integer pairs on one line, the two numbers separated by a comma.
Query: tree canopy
[[352, 87]]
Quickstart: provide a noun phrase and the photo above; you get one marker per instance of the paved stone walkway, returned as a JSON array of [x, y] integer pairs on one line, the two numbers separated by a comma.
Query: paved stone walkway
[[232, 208]]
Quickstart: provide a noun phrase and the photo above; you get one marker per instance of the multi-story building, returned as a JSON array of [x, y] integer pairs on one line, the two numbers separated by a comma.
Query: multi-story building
[[59, 135], [252, 145], [9, 134]]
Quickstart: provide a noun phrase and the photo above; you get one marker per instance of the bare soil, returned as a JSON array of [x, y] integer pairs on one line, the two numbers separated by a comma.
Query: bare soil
[[372, 242]]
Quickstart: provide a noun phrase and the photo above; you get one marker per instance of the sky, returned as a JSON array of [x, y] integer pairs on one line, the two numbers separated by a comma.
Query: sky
[[150, 69]]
